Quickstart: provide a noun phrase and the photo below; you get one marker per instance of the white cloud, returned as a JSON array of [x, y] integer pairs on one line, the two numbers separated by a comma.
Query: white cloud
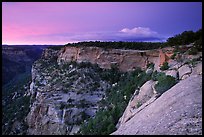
[[140, 31], [135, 34]]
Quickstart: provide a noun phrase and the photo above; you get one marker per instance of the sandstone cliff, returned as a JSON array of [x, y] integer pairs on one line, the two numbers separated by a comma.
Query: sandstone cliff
[[126, 60]]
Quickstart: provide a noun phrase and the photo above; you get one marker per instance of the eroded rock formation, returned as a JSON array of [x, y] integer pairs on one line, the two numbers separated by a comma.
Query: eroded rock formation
[[63, 96], [126, 60]]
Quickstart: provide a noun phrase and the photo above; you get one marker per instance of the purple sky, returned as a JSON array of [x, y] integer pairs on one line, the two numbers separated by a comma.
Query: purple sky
[[63, 22]]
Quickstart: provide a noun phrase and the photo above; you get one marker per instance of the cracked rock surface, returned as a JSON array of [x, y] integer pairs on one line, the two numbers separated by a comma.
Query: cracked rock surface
[[177, 111]]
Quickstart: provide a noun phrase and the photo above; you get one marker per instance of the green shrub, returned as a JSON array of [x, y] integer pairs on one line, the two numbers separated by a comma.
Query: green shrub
[[84, 65], [150, 65], [116, 101], [154, 75], [16, 108], [142, 78], [58, 47], [193, 51], [198, 44], [113, 75], [95, 86], [173, 56], [62, 105], [165, 66], [157, 75], [102, 124], [164, 83]]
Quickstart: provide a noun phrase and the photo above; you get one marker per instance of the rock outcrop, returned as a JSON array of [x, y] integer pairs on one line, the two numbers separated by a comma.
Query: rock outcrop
[[165, 55], [177, 111], [126, 60], [63, 96], [138, 101]]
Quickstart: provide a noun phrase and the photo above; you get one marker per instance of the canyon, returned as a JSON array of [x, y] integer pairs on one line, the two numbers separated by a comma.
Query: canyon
[[67, 88], [57, 106]]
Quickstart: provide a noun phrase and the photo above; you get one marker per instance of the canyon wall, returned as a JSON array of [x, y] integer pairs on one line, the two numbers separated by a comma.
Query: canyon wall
[[126, 60], [64, 95]]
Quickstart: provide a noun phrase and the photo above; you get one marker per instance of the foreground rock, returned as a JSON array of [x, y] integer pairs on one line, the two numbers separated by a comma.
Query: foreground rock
[[178, 111], [143, 98]]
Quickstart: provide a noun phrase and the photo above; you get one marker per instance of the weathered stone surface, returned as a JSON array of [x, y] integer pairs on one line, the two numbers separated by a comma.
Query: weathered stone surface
[[178, 111], [165, 55], [126, 60], [173, 64], [197, 69], [172, 73], [184, 70], [74, 130], [145, 93], [59, 99]]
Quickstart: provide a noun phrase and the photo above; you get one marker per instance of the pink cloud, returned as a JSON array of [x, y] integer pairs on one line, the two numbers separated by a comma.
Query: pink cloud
[[141, 31]]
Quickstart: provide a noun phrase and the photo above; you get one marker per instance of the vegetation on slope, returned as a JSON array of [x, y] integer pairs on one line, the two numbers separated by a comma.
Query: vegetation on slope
[[113, 106], [115, 45], [118, 96], [185, 38], [164, 83], [15, 105]]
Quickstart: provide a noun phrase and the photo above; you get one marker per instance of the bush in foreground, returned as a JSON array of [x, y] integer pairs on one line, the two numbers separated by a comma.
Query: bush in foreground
[[165, 66], [165, 83]]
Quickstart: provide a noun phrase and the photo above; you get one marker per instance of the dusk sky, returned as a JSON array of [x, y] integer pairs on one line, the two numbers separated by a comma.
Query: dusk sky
[[63, 22]]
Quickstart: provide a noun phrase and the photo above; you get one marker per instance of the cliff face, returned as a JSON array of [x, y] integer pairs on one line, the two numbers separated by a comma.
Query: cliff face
[[63, 96], [126, 60]]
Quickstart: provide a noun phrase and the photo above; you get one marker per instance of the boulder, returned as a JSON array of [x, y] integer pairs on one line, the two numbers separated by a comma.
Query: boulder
[[184, 70], [172, 73], [173, 64], [197, 69], [145, 94], [75, 129]]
